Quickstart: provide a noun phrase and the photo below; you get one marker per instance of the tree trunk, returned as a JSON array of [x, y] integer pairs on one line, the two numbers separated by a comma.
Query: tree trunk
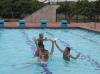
[[77, 18], [69, 18], [65, 15], [84, 18], [97, 18]]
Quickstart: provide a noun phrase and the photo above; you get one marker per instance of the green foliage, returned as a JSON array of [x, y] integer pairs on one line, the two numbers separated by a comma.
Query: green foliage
[[18, 8], [97, 7], [81, 7]]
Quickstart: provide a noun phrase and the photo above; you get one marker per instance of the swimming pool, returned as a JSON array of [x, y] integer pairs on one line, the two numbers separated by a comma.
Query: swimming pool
[[17, 49]]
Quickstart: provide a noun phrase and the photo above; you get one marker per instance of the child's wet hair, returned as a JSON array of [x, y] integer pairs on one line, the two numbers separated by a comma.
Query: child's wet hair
[[68, 48], [40, 34]]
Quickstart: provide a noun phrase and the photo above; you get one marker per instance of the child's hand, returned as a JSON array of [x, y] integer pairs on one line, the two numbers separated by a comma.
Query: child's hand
[[34, 38], [46, 38], [54, 39], [78, 55]]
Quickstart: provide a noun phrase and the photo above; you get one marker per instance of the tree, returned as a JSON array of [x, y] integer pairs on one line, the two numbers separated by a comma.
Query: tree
[[67, 9], [85, 8], [97, 9], [17, 8]]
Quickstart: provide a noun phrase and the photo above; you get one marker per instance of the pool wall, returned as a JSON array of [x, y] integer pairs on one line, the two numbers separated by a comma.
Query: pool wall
[[90, 25]]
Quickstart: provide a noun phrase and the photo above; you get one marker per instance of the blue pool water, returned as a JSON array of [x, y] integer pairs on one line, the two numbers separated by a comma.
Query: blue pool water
[[17, 49]]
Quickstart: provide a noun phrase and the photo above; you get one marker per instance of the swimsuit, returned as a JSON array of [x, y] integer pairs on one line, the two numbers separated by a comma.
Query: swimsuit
[[40, 43]]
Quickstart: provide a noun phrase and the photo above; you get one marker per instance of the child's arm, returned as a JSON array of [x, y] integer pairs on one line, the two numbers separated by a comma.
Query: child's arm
[[52, 48], [75, 57], [35, 40], [58, 47]]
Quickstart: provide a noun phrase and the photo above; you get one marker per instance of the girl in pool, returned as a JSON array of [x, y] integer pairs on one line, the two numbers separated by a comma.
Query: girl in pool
[[41, 39], [39, 42], [66, 53], [43, 54]]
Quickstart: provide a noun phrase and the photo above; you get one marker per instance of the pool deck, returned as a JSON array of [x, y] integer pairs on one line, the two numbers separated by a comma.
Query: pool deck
[[90, 25]]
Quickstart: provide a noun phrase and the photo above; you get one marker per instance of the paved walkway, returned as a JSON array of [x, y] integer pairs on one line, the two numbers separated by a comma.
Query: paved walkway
[[91, 25]]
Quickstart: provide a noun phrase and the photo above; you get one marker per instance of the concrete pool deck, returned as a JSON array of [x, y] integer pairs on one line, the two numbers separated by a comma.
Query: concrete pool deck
[[90, 25]]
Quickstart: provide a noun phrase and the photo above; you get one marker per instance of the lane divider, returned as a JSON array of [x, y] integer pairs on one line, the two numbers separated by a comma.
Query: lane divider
[[45, 68], [93, 62], [31, 44], [85, 38]]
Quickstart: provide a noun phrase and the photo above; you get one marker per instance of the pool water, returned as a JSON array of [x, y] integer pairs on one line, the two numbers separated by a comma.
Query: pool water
[[17, 50]]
